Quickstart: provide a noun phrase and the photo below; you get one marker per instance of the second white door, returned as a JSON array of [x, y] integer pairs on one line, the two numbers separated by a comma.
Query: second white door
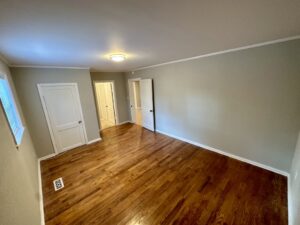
[[146, 91], [105, 100]]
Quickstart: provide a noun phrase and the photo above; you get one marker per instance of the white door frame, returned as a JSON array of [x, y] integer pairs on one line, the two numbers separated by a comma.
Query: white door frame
[[47, 113], [130, 81], [114, 99]]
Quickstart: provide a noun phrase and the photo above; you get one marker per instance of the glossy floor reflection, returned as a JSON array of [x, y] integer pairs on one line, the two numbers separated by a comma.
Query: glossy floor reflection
[[134, 176]]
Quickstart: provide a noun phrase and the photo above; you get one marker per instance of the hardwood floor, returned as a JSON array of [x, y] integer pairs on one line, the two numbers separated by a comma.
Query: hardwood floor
[[135, 177]]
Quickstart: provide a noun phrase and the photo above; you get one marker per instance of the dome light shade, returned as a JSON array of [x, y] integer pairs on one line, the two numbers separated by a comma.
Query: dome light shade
[[117, 57]]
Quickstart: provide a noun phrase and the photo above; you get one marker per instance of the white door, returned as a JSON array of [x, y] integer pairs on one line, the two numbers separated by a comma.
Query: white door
[[110, 104], [63, 111], [136, 107], [147, 103], [132, 100], [106, 108]]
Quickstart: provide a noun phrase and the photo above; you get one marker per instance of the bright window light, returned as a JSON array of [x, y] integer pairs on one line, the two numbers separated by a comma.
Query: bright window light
[[11, 111]]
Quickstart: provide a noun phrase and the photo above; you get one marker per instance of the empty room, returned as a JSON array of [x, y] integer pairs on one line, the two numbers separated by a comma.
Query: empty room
[[150, 112]]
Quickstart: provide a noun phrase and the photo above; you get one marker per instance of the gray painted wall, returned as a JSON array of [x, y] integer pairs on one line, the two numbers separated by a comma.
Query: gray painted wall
[[121, 93], [295, 187], [26, 80], [19, 192], [246, 102]]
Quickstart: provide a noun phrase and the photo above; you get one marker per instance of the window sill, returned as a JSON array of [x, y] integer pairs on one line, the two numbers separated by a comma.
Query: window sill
[[19, 137]]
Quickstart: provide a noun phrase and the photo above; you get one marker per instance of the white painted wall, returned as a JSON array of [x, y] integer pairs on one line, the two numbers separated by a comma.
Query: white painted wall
[[19, 192], [26, 80], [120, 88], [245, 103]]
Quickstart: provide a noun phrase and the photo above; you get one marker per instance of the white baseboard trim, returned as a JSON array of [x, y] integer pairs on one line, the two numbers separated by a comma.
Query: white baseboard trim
[[127, 121], [41, 193], [284, 173], [95, 140]]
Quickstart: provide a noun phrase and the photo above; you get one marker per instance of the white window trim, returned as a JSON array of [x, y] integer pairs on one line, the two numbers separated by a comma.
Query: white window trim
[[20, 133]]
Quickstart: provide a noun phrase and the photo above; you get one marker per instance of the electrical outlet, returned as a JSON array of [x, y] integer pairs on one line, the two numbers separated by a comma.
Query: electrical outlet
[[58, 184]]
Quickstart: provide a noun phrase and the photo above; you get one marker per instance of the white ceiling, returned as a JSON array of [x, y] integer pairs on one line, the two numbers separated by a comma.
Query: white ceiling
[[80, 33]]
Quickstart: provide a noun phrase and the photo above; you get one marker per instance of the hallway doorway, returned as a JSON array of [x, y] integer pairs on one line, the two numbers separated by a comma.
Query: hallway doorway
[[141, 102], [106, 104]]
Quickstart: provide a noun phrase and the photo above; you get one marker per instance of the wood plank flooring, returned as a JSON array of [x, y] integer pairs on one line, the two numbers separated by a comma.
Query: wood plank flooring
[[136, 177]]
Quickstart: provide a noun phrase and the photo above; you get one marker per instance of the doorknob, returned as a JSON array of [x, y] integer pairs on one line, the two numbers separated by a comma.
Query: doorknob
[[151, 110], [79, 121]]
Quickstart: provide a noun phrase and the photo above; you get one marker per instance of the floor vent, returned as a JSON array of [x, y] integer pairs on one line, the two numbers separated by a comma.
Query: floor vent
[[58, 184]]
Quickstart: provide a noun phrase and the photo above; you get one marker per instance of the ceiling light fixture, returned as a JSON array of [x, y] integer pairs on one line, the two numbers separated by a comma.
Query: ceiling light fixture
[[117, 57]]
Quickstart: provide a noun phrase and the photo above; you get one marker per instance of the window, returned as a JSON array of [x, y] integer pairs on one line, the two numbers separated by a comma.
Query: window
[[11, 112]]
